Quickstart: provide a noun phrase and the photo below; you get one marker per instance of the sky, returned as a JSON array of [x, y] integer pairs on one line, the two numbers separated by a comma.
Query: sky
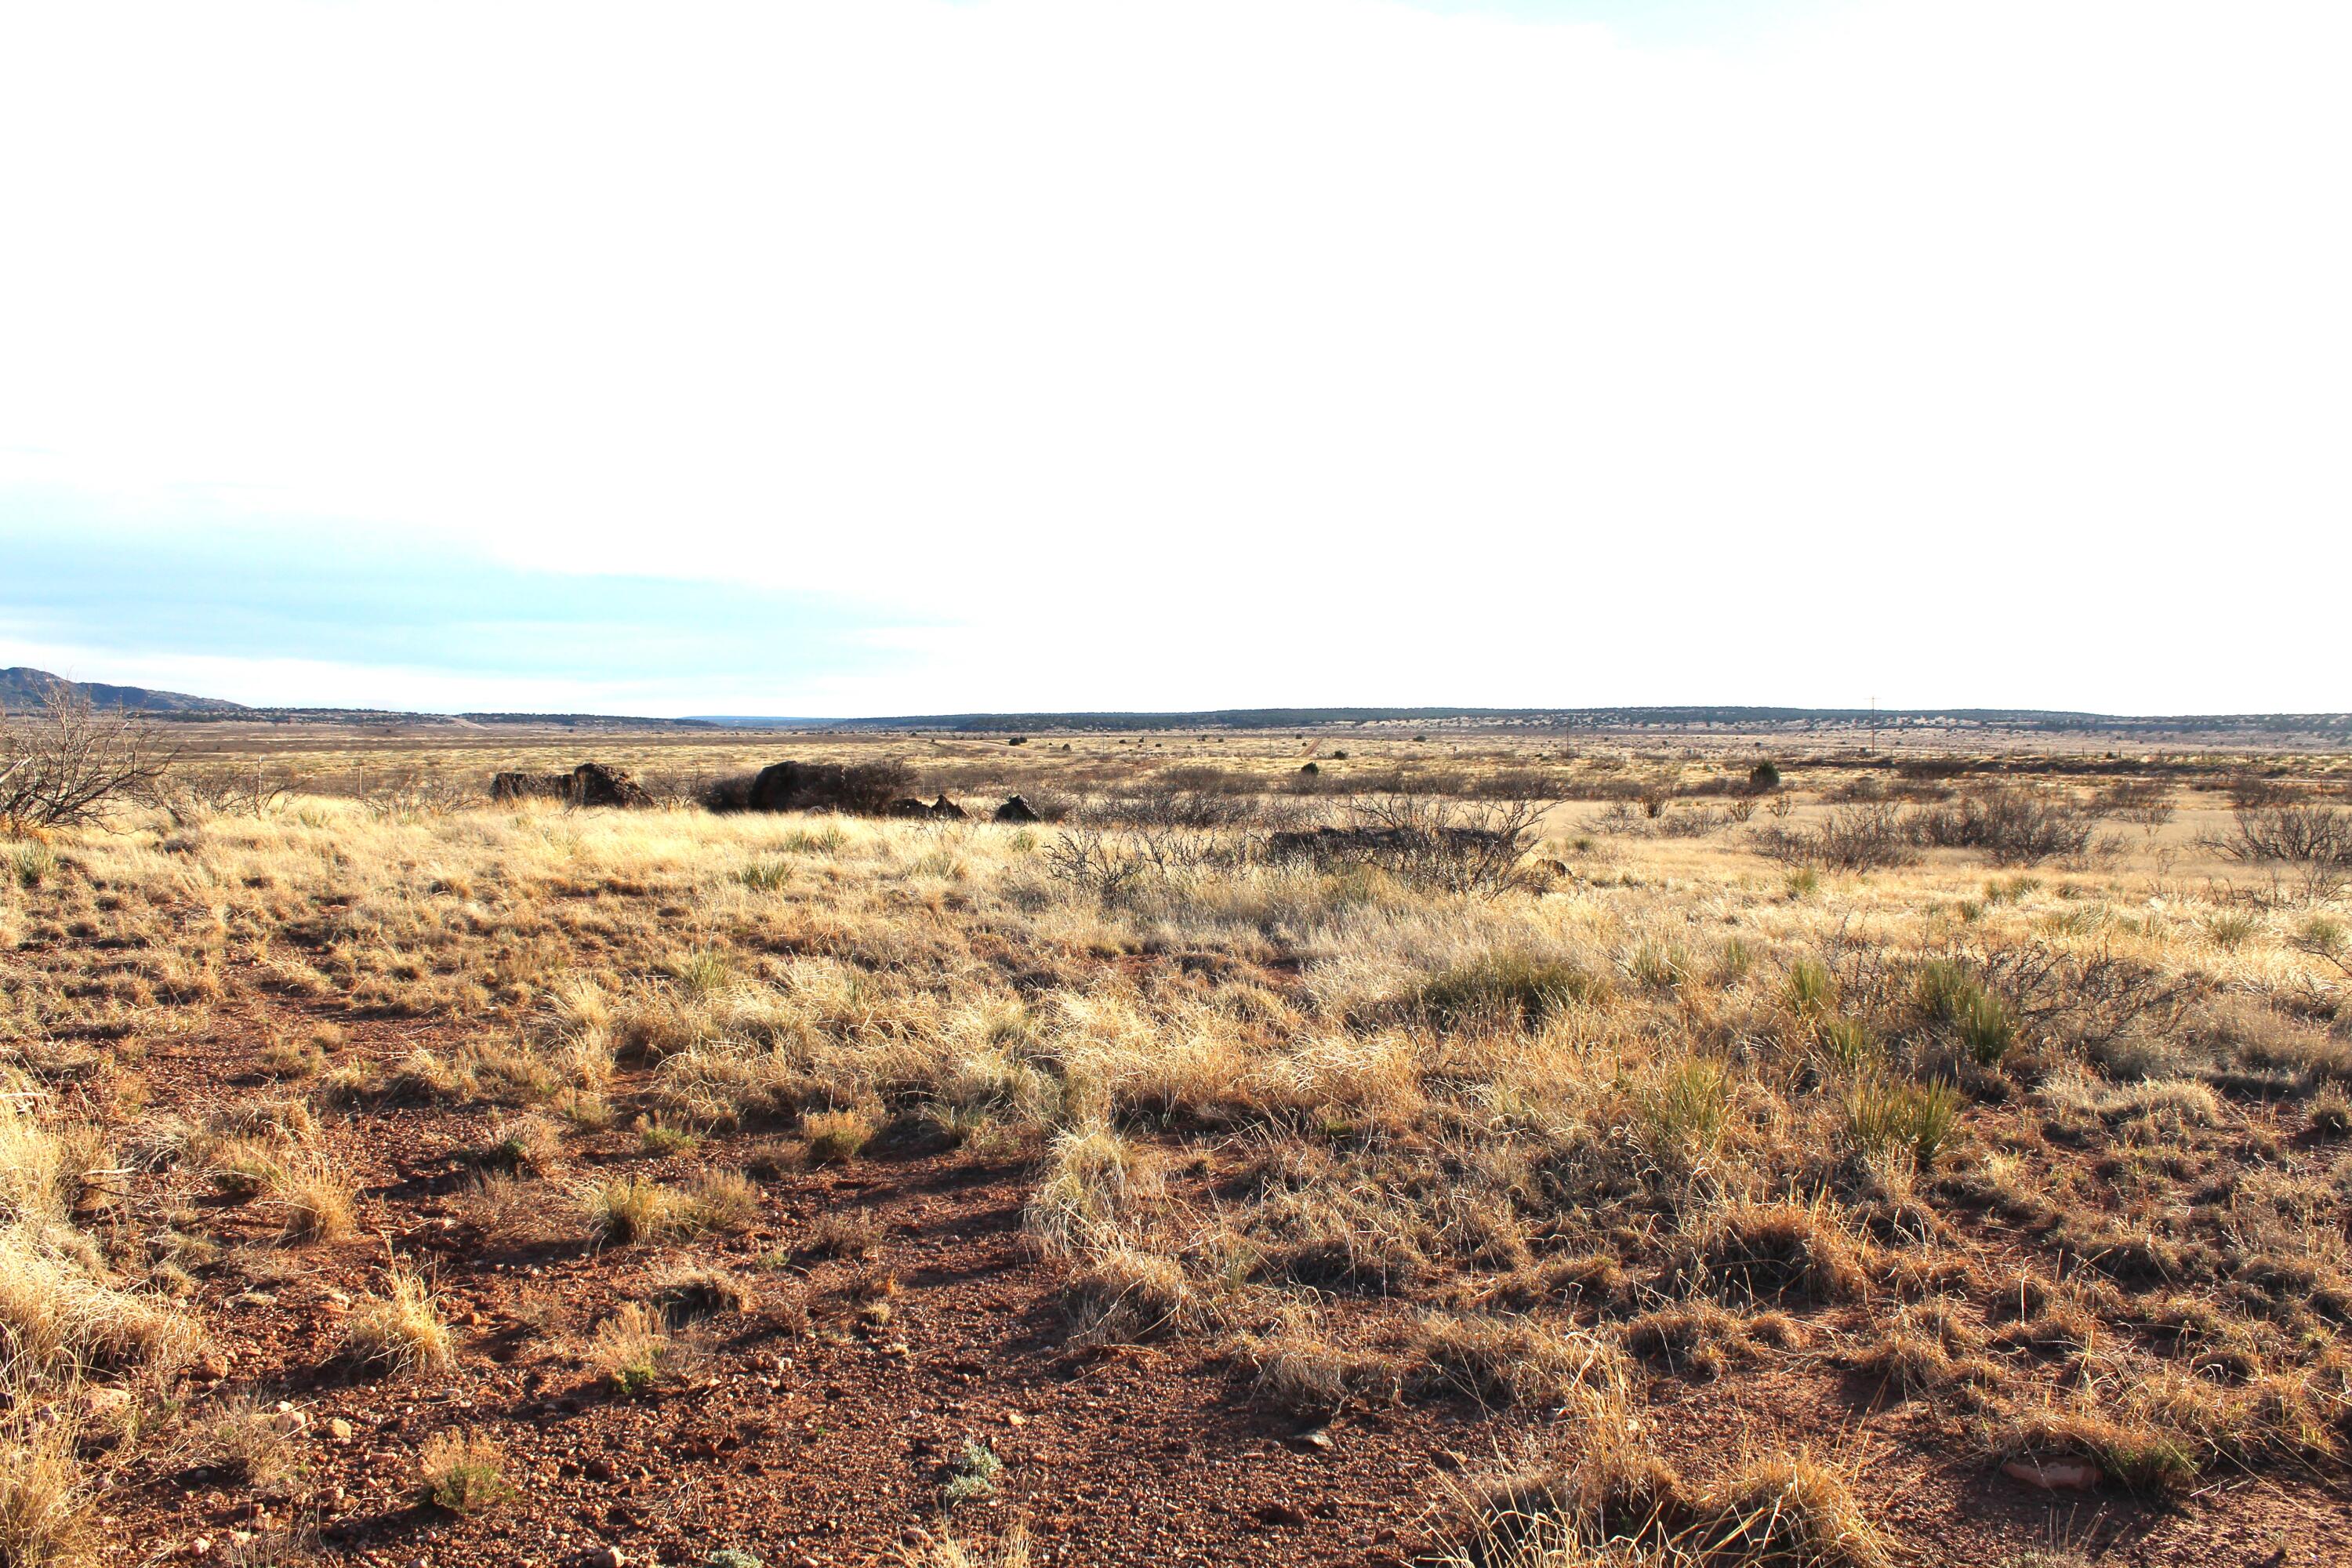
[[897, 357]]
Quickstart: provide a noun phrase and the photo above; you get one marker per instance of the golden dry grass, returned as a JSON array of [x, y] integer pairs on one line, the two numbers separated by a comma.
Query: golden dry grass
[[2053, 1154]]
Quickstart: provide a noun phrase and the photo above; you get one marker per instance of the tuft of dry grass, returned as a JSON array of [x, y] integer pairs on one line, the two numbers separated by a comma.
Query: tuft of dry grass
[[836, 1137], [45, 1503], [1778, 1252], [58, 1310], [633, 1351], [1010, 1551], [702, 1290], [845, 1233], [1125, 1295], [400, 1331], [463, 1473], [321, 1204], [252, 1442]]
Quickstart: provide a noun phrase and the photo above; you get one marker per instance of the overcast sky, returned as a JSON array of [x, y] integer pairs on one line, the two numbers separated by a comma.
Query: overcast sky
[[907, 357]]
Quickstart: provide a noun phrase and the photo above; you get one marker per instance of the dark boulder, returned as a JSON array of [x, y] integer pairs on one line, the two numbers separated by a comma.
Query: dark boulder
[[943, 806], [593, 783], [862, 789], [590, 784], [529, 786], [909, 806], [1017, 810]]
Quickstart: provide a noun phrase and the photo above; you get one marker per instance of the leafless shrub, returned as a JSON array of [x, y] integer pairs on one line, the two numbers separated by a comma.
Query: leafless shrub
[[189, 795], [2145, 804], [70, 763], [1094, 860], [2311, 834], [1700, 823], [1426, 840], [2013, 826], [1862, 837], [414, 793]]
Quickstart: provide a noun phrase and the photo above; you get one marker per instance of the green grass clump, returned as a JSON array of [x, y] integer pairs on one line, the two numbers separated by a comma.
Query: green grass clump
[[1848, 1044], [1949, 994], [768, 874], [1891, 1116], [1812, 991]]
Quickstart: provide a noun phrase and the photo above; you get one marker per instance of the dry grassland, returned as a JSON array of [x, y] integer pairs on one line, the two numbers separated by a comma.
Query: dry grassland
[[393, 1177]]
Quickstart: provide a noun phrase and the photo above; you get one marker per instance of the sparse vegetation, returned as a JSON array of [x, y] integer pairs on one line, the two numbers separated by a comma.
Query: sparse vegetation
[[685, 1120], [463, 1472]]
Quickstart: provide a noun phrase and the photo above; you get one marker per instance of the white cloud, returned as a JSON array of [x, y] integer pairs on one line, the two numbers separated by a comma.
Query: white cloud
[[1249, 351]]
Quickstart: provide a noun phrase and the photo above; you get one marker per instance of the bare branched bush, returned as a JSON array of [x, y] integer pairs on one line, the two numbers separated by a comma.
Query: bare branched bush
[[1426, 840], [415, 794], [2310, 841], [2310, 834], [70, 763], [1093, 860], [1862, 837], [190, 796], [2013, 826], [2145, 804]]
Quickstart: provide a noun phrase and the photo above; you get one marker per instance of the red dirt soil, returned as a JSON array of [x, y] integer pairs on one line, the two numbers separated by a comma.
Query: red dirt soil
[[833, 1447]]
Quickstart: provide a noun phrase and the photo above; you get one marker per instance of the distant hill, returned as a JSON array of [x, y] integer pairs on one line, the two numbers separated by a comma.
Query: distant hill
[[23, 687], [2336, 726]]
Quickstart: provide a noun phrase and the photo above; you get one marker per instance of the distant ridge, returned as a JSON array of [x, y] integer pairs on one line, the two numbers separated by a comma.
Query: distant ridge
[[22, 688], [2331, 725]]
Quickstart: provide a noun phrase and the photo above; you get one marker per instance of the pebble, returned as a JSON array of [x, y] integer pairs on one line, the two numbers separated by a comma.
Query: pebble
[[98, 1401], [339, 1430]]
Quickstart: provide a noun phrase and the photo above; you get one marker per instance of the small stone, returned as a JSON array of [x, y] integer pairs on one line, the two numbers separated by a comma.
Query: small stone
[[1014, 1418], [201, 1546], [98, 1401], [608, 1557], [600, 1470], [1319, 1439], [339, 1430], [211, 1366], [1281, 1514]]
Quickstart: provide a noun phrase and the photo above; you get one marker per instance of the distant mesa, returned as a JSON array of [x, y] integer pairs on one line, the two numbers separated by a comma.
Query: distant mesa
[[23, 689]]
